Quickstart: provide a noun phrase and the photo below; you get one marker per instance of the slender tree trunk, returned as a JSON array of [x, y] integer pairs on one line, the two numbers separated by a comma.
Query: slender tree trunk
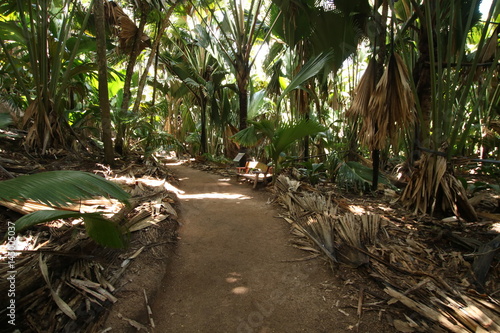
[[380, 66], [203, 104], [422, 79], [103, 84], [243, 103], [242, 83], [154, 48], [127, 95]]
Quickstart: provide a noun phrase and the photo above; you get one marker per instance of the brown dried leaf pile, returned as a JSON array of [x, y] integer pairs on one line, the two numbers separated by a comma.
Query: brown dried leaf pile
[[435, 285], [65, 282]]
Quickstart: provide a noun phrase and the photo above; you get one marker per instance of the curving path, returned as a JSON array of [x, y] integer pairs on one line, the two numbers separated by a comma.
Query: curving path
[[235, 269]]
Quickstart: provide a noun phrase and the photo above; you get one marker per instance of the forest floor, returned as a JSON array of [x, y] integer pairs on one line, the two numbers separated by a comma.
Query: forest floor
[[234, 270], [211, 254]]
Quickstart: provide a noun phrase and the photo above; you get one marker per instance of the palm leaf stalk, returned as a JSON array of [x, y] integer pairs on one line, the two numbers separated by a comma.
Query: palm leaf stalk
[[52, 62]]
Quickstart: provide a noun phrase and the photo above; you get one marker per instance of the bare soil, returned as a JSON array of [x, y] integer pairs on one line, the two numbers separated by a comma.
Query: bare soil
[[234, 270]]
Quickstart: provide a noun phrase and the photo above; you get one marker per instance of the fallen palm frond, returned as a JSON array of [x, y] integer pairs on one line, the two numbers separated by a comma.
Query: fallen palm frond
[[339, 236], [64, 281], [431, 282], [432, 185]]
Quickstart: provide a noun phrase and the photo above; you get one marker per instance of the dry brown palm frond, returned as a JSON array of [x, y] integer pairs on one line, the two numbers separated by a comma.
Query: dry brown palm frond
[[124, 28], [363, 92], [433, 186], [316, 203], [391, 104]]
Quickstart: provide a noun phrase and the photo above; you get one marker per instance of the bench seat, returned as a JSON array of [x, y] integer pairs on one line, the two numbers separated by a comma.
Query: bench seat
[[256, 172]]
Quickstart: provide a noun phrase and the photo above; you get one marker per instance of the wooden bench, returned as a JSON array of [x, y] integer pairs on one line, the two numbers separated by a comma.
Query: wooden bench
[[256, 172]]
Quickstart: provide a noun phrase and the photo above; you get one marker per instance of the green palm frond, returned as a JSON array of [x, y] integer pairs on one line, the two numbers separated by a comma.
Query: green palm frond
[[99, 228], [247, 137], [59, 188], [289, 133], [266, 127], [5, 120], [257, 130], [310, 69], [356, 176]]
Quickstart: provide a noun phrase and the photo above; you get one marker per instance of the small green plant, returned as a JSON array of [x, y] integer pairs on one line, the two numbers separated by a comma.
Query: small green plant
[[277, 138], [313, 172], [216, 159], [354, 176], [5, 120], [479, 186]]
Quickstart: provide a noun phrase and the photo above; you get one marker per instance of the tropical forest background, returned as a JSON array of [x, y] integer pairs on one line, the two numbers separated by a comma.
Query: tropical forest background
[[373, 98]]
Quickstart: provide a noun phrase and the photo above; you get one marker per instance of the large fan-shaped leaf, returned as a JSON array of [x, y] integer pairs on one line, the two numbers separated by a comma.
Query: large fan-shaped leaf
[[100, 229], [247, 137], [357, 176], [289, 133], [251, 135], [310, 69], [59, 188]]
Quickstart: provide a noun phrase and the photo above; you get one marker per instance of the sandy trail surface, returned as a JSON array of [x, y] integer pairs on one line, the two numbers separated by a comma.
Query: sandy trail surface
[[236, 271]]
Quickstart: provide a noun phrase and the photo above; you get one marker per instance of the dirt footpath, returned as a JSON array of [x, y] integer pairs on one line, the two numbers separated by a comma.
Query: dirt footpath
[[236, 271]]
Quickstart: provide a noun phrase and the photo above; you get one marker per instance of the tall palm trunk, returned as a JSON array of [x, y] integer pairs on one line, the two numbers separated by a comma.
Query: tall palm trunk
[[422, 79], [103, 84], [242, 68], [243, 115], [127, 94], [204, 141]]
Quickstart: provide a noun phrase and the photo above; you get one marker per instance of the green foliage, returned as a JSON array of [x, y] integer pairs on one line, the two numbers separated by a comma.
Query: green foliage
[[277, 138], [337, 31], [216, 159], [62, 188], [99, 228], [5, 120], [310, 69], [59, 188], [41, 43], [255, 133], [288, 133], [479, 186], [313, 172], [356, 177]]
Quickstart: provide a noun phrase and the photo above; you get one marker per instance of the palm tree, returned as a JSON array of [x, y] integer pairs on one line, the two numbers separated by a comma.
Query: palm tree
[[306, 28], [132, 41], [103, 84], [196, 67], [447, 86], [236, 35], [43, 39]]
